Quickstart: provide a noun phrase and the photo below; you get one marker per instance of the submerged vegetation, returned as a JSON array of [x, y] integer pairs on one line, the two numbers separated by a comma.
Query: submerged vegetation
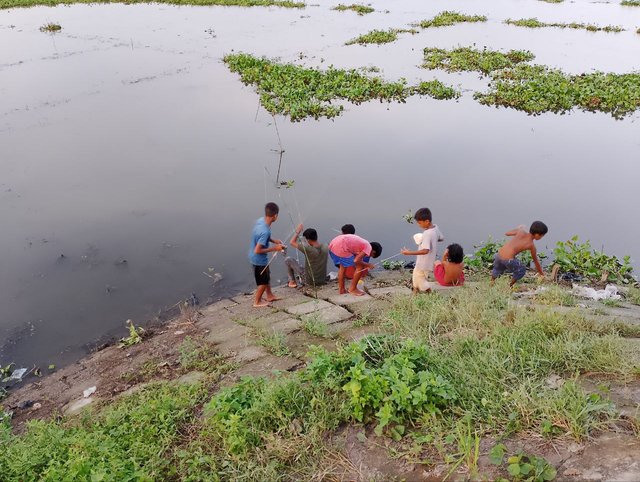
[[359, 9], [536, 88], [225, 3], [379, 36], [447, 18], [535, 23], [301, 92]]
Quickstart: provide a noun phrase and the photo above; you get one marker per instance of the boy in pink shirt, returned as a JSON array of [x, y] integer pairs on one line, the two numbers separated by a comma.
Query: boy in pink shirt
[[351, 252]]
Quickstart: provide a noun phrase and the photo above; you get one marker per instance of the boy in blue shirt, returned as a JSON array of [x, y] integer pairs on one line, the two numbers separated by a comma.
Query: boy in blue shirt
[[260, 239]]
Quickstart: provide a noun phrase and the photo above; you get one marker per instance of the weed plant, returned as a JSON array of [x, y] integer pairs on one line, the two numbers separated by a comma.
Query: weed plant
[[51, 28], [301, 92], [359, 9], [576, 257], [447, 18], [633, 296], [469, 59], [379, 36], [225, 3], [535, 23], [315, 327], [274, 341]]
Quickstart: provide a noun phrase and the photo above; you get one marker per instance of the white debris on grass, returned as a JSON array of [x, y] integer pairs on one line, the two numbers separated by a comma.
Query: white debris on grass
[[610, 292]]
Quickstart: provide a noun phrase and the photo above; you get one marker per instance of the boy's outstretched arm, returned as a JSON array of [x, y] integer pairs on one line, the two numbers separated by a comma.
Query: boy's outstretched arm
[[260, 249], [536, 261], [294, 239], [407, 252]]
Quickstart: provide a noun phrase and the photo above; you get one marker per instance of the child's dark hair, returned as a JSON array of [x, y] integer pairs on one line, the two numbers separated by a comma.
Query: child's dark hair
[[376, 249], [423, 214], [456, 254], [538, 227], [348, 229], [310, 234], [271, 209]]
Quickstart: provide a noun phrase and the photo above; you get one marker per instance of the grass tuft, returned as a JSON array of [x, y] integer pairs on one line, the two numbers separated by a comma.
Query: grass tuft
[[51, 27], [447, 18], [359, 9], [379, 37], [274, 341], [535, 23]]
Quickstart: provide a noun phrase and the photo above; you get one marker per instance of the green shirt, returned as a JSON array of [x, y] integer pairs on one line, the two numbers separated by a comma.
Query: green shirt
[[315, 269]]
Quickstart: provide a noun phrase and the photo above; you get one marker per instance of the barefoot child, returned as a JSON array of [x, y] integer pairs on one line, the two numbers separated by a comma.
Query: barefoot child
[[521, 240], [450, 271], [348, 253], [426, 253], [260, 239]]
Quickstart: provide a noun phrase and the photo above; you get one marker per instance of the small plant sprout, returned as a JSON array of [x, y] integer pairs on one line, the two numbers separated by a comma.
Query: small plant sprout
[[51, 27], [408, 217], [135, 335], [287, 184]]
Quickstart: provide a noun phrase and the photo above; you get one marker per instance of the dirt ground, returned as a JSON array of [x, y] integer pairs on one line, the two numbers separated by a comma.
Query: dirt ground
[[232, 326]]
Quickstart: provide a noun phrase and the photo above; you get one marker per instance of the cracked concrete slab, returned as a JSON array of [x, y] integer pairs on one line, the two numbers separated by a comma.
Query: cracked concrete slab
[[308, 307], [331, 314], [347, 299]]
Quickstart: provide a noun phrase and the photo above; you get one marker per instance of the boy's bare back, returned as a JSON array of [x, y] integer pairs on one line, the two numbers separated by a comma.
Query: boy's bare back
[[520, 241]]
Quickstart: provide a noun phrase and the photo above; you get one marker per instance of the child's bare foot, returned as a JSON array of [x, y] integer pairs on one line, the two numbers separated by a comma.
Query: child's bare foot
[[262, 304], [356, 292], [292, 284], [273, 298]]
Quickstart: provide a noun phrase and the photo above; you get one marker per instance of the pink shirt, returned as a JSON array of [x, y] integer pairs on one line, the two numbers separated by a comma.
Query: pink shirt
[[347, 245]]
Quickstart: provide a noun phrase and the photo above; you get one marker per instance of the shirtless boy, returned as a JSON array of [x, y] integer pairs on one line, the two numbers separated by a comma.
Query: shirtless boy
[[450, 271], [506, 259]]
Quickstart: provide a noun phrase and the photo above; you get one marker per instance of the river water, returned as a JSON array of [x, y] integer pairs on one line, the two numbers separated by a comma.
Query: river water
[[124, 137]]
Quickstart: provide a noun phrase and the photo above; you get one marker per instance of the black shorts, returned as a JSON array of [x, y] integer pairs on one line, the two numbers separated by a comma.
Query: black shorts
[[262, 275]]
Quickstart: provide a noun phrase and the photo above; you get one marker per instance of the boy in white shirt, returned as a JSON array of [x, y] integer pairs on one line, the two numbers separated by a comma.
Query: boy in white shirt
[[426, 253]]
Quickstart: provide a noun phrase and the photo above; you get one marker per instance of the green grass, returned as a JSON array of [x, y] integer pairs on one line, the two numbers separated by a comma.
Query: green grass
[[633, 296], [379, 36], [274, 341], [225, 3], [555, 296], [129, 440], [301, 92], [359, 9], [447, 18], [456, 370], [535, 23], [315, 327], [630, 3], [469, 59]]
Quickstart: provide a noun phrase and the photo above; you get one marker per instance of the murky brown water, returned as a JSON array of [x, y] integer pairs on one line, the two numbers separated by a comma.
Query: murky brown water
[[125, 137]]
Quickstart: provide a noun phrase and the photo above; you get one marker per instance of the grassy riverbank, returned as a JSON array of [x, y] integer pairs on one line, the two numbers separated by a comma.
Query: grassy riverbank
[[447, 381]]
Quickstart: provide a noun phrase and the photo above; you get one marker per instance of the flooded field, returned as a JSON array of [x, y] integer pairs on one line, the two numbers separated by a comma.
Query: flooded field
[[133, 162]]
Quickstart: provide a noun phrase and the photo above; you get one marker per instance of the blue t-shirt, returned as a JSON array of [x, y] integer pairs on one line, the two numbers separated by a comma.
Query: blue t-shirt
[[261, 234]]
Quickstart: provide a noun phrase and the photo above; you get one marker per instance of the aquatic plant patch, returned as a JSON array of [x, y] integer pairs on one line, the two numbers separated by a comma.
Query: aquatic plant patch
[[359, 9], [447, 18], [630, 3], [536, 89], [437, 90], [535, 23], [51, 27], [301, 92], [552, 1], [470, 59], [379, 36], [576, 257], [224, 3]]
